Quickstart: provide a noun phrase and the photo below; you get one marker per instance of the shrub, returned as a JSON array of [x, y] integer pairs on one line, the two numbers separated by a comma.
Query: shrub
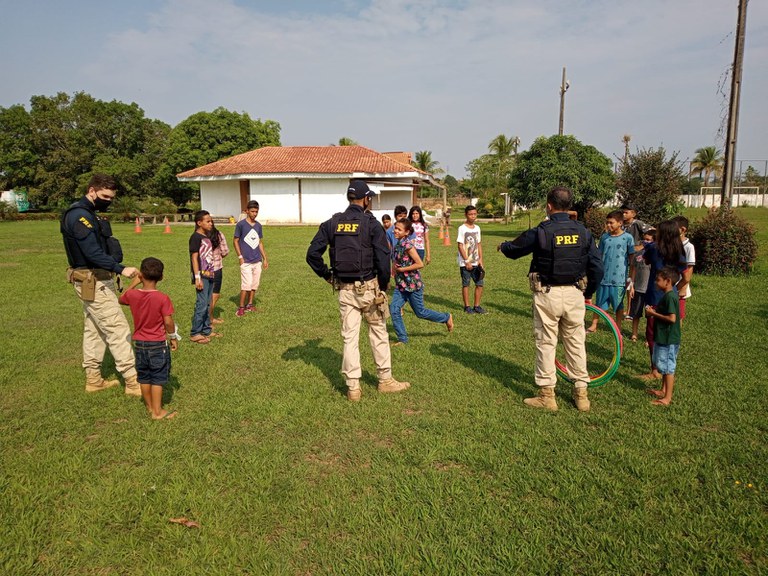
[[725, 243], [594, 220], [8, 211], [157, 205]]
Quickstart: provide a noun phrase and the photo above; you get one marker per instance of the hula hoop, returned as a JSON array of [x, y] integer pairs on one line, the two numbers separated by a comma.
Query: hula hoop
[[618, 341]]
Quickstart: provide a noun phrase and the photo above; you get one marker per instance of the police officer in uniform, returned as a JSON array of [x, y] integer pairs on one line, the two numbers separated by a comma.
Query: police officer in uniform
[[566, 262], [359, 270], [93, 259]]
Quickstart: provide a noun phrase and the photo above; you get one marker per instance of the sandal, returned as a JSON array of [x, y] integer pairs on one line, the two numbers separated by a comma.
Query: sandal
[[200, 339]]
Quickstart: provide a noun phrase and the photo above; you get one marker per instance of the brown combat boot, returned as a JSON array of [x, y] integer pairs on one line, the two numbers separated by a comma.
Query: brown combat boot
[[132, 387], [580, 399], [354, 395], [390, 385], [95, 383], [545, 399]]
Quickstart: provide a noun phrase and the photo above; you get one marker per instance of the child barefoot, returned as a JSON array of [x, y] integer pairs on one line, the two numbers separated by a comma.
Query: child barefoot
[[666, 334], [153, 323], [408, 285]]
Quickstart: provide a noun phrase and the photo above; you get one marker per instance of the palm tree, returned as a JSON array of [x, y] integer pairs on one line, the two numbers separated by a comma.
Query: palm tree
[[423, 161], [708, 160], [504, 147]]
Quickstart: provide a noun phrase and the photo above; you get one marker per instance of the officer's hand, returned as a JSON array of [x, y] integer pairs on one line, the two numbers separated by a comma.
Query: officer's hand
[[588, 301], [129, 272], [498, 248]]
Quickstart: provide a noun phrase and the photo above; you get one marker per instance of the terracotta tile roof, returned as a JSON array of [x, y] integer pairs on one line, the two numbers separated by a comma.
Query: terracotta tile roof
[[403, 157], [304, 160]]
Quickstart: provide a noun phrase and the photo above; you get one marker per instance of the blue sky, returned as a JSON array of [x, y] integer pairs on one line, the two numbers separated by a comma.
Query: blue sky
[[445, 76]]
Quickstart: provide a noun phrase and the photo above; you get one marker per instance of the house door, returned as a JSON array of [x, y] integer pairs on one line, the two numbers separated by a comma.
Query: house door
[[245, 194]]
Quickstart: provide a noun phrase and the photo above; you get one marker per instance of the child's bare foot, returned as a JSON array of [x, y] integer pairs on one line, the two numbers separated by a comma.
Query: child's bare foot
[[634, 338], [165, 415], [217, 321], [591, 330], [661, 402], [449, 324], [215, 335], [653, 375], [654, 392], [398, 343]]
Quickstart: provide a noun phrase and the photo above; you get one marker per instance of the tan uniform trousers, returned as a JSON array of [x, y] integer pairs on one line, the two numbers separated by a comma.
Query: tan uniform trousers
[[106, 325], [351, 306], [560, 311]]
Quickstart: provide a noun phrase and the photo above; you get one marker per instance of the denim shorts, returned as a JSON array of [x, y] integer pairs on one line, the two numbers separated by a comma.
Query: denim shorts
[[665, 357], [153, 362], [470, 275]]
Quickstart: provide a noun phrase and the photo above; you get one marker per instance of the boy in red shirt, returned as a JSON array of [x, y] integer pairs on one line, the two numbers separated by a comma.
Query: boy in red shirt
[[154, 328]]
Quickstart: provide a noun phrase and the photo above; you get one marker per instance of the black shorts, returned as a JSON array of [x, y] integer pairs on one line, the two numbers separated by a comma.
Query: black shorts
[[218, 275], [637, 306]]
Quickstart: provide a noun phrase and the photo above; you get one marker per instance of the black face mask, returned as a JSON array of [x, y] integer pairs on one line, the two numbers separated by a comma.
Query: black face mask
[[101, 205]]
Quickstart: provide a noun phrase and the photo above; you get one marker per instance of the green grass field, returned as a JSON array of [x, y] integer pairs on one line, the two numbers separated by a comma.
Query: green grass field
[[454, 476]]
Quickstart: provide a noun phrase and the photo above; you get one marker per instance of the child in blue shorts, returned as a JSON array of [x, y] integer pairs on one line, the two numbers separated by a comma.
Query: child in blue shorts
[[666, 334], [616, 247], [154, 327]]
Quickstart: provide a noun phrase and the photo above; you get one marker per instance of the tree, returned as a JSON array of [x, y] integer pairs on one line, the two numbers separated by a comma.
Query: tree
[[708, 160], [562, 161], [347, 141], [503, 147], [652, 182], [424, 162], [206, 137], [66, 139], [17, 157]]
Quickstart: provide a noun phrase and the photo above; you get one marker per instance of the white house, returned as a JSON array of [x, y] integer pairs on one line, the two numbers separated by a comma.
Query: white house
[[304, 184]]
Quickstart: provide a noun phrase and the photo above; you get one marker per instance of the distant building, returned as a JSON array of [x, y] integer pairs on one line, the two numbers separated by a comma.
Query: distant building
[[304, 184]]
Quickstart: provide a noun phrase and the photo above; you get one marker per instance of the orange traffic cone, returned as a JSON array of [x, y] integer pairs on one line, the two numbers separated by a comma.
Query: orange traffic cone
[[137, 228], [440, 234], [167, 226], [447, 236]]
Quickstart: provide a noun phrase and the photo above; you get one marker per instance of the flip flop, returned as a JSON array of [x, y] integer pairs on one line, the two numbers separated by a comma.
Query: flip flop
[[199, 339], [215, 335]]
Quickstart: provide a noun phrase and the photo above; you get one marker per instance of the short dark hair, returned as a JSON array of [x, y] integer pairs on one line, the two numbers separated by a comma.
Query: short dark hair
[[650, 232], [617, 215], [469, 209], [669, 273], [407, 224], [400, 209], [152, 269], [386, 218], [682, 221], [101, 181], [561, 198], [200, 214], [252, 204]]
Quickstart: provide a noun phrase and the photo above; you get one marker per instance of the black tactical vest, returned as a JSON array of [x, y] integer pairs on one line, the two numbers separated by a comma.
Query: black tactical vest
[[561, 252], [351, 249], [103, 230]]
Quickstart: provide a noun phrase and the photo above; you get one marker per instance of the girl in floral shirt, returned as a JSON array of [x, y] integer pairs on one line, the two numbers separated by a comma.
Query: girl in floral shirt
[[408, 285]]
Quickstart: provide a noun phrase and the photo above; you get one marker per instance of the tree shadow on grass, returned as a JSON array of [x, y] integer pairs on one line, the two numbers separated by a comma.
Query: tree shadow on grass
[[508, 374], [326, 359]]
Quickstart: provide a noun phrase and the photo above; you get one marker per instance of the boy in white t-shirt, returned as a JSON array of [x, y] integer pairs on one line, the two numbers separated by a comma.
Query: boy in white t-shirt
[[684, 286], [470, 259]]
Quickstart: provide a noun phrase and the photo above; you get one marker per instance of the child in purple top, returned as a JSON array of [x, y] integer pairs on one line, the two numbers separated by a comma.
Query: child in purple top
[[408, 285]]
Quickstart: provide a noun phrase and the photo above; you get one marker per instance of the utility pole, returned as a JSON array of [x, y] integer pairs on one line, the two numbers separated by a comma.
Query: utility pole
[[564, 85], [733, 108]]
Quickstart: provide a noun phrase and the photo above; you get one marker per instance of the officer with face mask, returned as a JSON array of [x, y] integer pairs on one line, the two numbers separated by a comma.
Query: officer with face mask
[[565, 271], [359, 270], [94, 257]]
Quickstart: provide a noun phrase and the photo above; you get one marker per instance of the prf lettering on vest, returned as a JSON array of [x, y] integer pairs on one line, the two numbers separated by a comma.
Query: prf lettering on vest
[[566, 239], [346, 227]]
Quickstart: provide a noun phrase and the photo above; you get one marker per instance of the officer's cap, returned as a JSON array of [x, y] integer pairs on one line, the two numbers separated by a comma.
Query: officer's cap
[[360, 189]]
